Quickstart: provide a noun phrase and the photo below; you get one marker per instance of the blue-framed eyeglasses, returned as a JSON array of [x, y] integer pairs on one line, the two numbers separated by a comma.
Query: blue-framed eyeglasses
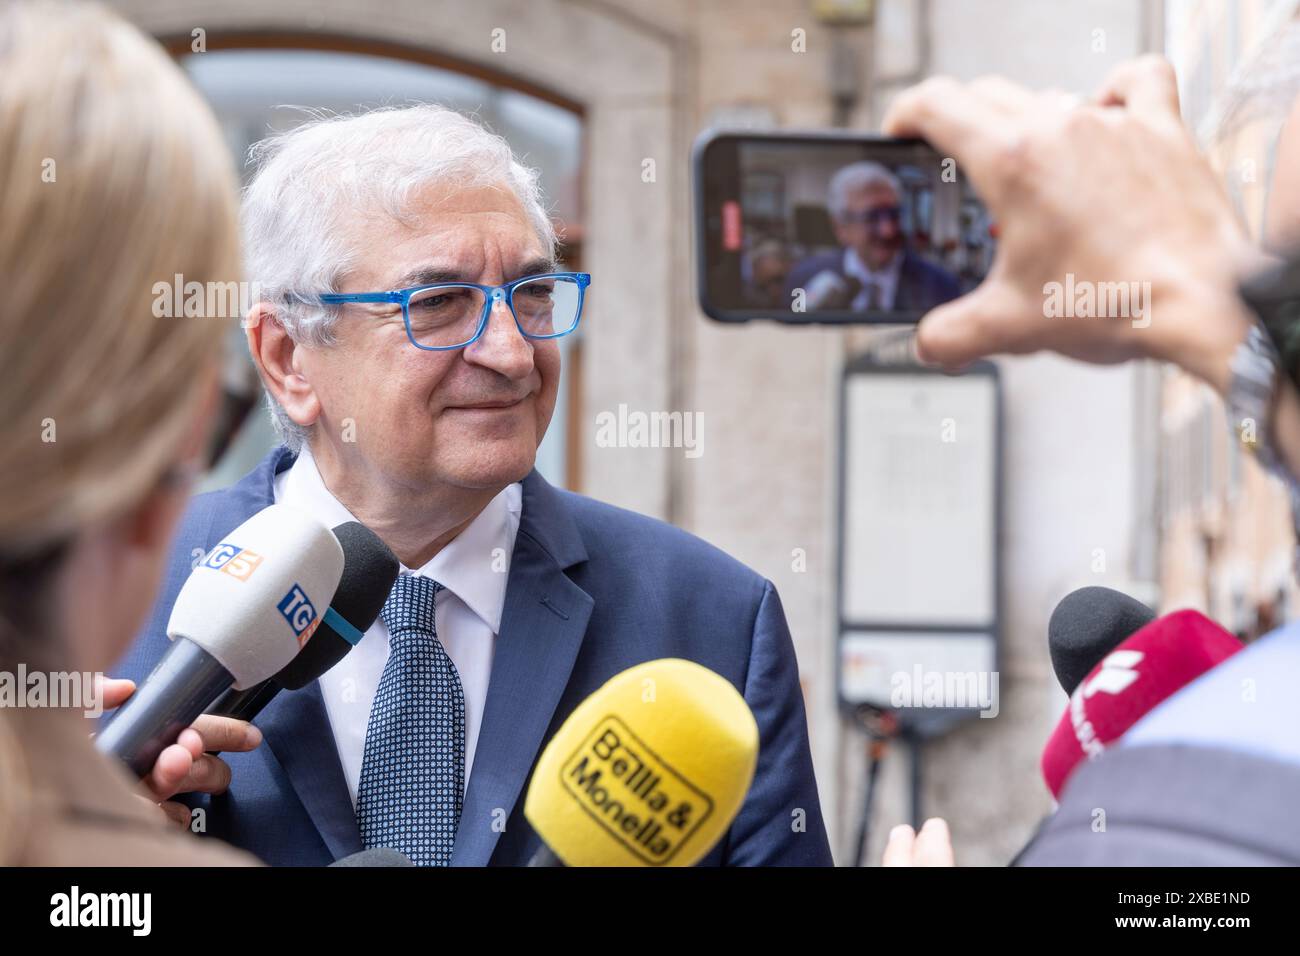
[[452, 315], [873, 217]]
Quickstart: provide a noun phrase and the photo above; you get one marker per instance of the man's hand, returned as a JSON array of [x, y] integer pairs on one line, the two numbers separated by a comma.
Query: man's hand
[[931, 847], [184, 767], [1110, 191]]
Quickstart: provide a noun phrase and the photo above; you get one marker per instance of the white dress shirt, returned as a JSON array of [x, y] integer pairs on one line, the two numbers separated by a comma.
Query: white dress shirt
[[885, 280], [473, 567]]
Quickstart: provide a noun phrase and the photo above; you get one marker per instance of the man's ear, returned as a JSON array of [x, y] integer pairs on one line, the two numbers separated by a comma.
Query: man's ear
[[277, 358]]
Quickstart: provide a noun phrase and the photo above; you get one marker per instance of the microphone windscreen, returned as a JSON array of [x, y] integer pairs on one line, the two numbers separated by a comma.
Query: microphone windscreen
[[1086, 626], [1130, 682], [255, 598], [369, 571], [649, 770]]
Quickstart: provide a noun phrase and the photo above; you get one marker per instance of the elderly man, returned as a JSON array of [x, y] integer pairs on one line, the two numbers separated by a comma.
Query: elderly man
[[874, 271], [410, 302]]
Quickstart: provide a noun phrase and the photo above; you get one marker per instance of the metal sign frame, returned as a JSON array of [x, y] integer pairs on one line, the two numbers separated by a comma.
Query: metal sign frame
[[917, 722]]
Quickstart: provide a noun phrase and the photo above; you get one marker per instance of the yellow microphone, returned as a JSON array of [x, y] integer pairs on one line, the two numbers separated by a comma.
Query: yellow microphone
[[650, 770]]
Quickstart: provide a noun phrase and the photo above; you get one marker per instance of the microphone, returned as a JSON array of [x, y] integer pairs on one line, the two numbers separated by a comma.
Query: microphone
[[650, 770], [830, 290], [1128, 683], [369, 571], [242, 615], [1087, 625]]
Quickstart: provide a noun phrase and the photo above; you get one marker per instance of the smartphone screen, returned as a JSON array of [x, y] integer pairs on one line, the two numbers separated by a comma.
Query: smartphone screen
[[833, 228]]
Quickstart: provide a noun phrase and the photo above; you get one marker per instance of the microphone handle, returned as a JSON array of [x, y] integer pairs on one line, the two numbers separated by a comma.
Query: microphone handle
[[545, 856], [376, 856], [183, 683], [245, 704]]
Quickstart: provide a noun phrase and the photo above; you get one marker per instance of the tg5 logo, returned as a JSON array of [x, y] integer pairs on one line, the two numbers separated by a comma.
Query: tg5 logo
[[233, 560], [298, 611]]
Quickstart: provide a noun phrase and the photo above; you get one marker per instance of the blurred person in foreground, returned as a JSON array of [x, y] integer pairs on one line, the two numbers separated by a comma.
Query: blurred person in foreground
[[113, 176], [1114, 190]]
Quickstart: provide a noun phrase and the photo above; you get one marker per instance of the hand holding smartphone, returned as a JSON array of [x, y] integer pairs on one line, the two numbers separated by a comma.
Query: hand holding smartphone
[[833, 228]]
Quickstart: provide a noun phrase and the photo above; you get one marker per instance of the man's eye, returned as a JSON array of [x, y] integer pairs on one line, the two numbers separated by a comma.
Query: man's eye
[[437, 301]]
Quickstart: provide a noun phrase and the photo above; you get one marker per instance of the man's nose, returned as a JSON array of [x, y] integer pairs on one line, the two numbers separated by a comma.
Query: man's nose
[[501, 347]]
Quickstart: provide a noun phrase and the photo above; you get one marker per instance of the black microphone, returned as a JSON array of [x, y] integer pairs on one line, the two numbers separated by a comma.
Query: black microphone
[[369, 572], [1086, 626], [240, 617]]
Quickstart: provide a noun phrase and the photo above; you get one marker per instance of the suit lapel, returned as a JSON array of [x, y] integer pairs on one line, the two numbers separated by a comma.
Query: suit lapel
[[911, 292], [542, 627], [297, 730], [295, 725]]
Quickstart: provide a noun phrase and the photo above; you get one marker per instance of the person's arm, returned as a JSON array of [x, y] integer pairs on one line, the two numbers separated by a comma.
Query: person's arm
[[1111, 190], [1107, 191], [1286, 427]]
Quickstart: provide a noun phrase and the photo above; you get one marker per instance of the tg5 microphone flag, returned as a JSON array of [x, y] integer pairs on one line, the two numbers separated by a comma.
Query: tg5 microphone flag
[[256, 597], [241, 616]]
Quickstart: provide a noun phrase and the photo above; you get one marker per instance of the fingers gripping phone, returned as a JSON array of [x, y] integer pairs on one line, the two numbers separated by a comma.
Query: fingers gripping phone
[[833, 228]]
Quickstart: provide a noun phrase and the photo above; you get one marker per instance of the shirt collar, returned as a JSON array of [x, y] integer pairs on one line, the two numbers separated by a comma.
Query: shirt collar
[[854, 266], [470, 566]]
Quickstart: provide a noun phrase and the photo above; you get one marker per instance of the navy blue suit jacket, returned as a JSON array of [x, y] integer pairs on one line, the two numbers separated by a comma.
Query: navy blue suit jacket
[[921, 285], [593, 590]]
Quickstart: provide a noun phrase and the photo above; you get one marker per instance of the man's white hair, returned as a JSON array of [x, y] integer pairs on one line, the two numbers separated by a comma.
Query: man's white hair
[[856, 177], [313, 182]]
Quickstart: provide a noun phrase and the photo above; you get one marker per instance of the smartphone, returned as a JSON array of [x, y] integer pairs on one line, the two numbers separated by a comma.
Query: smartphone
[[833, 228]]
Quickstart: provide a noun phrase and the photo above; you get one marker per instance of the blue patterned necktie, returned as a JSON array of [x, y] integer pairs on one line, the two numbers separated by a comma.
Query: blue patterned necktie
[[413, 768]]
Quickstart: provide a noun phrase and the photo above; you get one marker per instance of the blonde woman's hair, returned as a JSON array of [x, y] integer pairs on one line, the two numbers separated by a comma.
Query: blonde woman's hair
[[114, 177]]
